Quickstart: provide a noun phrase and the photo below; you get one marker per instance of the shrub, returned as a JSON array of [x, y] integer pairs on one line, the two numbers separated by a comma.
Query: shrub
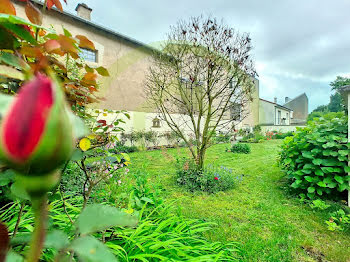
[[222, 138], [121, 148], [277, 135], [281, 135], [172, 138], [211, 179], [240, 148], [315, 158]]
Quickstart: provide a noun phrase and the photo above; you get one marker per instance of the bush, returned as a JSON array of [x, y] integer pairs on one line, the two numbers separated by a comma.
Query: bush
[[222, 138], [278, 135], [315, 158], [211, 179], [252, 137], [240, 148], [121, 148]]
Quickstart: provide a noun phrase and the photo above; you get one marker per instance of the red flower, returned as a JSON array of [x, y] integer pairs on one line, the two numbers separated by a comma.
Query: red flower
[[36, 134], [216, 178], [25, 123]]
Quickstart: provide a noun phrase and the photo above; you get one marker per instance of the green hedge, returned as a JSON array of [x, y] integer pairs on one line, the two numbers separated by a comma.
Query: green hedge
[[315, 158]]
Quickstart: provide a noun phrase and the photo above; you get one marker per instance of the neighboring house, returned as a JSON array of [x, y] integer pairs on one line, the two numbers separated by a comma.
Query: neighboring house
[[300, 107], [273, 114]]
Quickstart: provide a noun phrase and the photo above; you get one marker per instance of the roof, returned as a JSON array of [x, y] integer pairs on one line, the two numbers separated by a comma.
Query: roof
[[277, 105], [97, 26], [303, 94]]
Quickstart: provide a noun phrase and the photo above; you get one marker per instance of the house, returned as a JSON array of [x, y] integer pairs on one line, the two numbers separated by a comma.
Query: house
[[300, 107], [273, 114], [127, 61]]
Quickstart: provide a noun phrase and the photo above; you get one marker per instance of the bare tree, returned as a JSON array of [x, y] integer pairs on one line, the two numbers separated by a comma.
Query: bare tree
[[201, 81]]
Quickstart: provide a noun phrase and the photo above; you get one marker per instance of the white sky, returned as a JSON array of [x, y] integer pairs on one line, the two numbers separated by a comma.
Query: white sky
[[299, 45]]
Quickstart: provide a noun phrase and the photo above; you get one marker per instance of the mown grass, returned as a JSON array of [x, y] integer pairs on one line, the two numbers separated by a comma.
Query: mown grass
[[270, 223]]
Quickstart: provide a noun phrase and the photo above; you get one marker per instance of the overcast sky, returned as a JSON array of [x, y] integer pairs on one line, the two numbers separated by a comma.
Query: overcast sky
[[299, 46]]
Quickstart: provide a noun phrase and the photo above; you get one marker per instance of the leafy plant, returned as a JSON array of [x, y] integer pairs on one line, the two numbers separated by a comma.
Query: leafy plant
[[240, 148], [222, 137], [211, 179], [319, 204], [122, 148], [339, 220], [315, 158]]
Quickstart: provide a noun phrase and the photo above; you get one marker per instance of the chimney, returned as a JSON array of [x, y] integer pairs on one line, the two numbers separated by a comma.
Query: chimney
[[275, 100], [287, 99], [83, 11]]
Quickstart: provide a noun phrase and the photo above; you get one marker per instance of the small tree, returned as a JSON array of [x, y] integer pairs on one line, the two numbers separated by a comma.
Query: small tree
[[201, 81]]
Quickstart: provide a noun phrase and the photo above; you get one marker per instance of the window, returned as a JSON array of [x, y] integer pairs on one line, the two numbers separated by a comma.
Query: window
[[278, 117], [156, 122], [88, 55], [236, 111]]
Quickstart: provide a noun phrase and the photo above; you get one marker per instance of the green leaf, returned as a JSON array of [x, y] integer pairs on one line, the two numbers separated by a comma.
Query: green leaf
[[11, 60], [319, 191], [97, 217], [317, 161], [343, 152], [19, 31], [311, 189], [126, 156], [339, 179], [326, 152], [331, 185], [329, 162], [89, 249], [319, 172], [20, 21], [307, 154], [309, 166], [56, 239], [347, 169], [77, 155], [287, 161], [13, 257], [309, 178], [102, 71], [342, 187], [7, 177], [321, 184], [18, 191]]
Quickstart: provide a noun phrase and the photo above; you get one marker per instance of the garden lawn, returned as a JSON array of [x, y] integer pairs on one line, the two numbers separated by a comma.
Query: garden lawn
[[259, 213]]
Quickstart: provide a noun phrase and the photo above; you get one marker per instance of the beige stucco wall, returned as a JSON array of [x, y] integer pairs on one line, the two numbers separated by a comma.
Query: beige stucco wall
[[126, 61], [252, 108], [266, 113]]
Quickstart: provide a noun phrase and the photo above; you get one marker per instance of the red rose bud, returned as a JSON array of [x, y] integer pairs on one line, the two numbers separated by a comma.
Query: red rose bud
[[36, 132], [216, 178]]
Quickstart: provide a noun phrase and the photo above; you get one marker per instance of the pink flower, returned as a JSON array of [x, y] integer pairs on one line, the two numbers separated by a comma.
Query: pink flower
[[216, 178]]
